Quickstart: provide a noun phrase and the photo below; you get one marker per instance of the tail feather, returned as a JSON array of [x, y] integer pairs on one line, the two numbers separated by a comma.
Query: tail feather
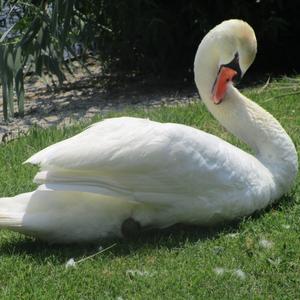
[[67, 213], [10, 220], [12, 210]]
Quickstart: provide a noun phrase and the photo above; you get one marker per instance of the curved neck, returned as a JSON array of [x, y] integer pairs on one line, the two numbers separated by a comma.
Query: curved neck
[[253, 125]]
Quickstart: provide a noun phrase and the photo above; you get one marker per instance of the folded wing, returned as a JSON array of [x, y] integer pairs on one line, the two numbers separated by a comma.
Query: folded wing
[[139, 156]]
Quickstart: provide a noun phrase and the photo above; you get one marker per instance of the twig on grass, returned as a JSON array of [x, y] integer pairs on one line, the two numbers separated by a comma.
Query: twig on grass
[[281, 95], [93, 255], [72, 263], [264, 86]]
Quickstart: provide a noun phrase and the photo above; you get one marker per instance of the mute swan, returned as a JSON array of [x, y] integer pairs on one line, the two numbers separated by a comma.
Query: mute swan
[[134, 171]]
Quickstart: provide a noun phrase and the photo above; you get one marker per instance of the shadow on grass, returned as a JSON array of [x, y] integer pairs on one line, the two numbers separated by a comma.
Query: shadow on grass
[[15, 244], [173, 237]]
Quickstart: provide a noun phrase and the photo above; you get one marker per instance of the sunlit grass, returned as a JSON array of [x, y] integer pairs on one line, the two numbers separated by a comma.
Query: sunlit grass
[[181, 262]]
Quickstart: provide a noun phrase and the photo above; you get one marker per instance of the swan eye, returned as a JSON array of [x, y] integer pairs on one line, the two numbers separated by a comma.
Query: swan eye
[[234, 65], [236, 78]]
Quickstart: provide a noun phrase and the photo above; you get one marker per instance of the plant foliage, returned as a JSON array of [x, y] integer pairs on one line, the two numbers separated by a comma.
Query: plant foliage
[[140, 36], [37, 43], [162, 37]]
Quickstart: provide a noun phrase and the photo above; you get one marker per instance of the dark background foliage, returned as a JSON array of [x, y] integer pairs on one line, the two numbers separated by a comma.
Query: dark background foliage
[[161, 37]]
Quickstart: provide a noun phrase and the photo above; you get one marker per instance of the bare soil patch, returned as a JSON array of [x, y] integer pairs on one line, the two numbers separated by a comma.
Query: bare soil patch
[[85, 95]]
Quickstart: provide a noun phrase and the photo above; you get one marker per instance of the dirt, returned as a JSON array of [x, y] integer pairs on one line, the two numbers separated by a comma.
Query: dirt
[[85, 95]]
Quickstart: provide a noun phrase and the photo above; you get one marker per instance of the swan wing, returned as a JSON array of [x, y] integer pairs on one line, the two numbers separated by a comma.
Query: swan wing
[[132, 155]]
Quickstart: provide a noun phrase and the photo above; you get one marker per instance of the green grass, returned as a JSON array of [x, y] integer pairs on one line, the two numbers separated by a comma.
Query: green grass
[[176, 263]]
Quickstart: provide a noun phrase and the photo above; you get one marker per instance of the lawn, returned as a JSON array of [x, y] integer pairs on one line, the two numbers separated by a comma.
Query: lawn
[[257, 257]]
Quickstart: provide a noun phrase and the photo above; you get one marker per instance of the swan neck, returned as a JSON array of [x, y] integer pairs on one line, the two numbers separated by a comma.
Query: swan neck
[[272, 146], [270, 143], [252, 124]]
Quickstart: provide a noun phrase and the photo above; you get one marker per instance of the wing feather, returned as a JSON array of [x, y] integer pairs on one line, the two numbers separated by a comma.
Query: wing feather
[[140, 156]]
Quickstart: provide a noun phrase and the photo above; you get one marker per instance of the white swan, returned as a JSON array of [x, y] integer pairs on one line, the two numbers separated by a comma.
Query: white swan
[[134, 171]]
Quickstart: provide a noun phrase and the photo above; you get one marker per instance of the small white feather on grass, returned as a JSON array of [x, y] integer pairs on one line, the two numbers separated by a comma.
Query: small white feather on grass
[[266, 244], [70, 263], [134, 273], [240, 274], [219, 271], [233, 235]]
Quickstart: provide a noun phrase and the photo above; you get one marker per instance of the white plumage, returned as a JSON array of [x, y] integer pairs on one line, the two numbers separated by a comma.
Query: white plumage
[[159, 174]]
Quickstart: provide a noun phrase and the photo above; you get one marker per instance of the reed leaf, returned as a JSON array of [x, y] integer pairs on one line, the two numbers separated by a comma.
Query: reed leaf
[[19, 82]]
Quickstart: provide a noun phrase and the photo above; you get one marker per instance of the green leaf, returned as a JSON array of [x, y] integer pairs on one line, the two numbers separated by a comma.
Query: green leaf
[[2, 60], [40, 35], [39, 65], [31, 32], [6, 33], [5, 96], [19, 82], [17, 58], [10, 59], [7, 68], [10, 93]]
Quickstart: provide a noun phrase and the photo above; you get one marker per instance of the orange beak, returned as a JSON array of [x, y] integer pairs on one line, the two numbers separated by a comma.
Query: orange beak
[[225, 76]]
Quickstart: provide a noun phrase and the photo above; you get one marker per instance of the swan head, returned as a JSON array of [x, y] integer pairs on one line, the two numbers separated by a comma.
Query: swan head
[[223, 56]]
